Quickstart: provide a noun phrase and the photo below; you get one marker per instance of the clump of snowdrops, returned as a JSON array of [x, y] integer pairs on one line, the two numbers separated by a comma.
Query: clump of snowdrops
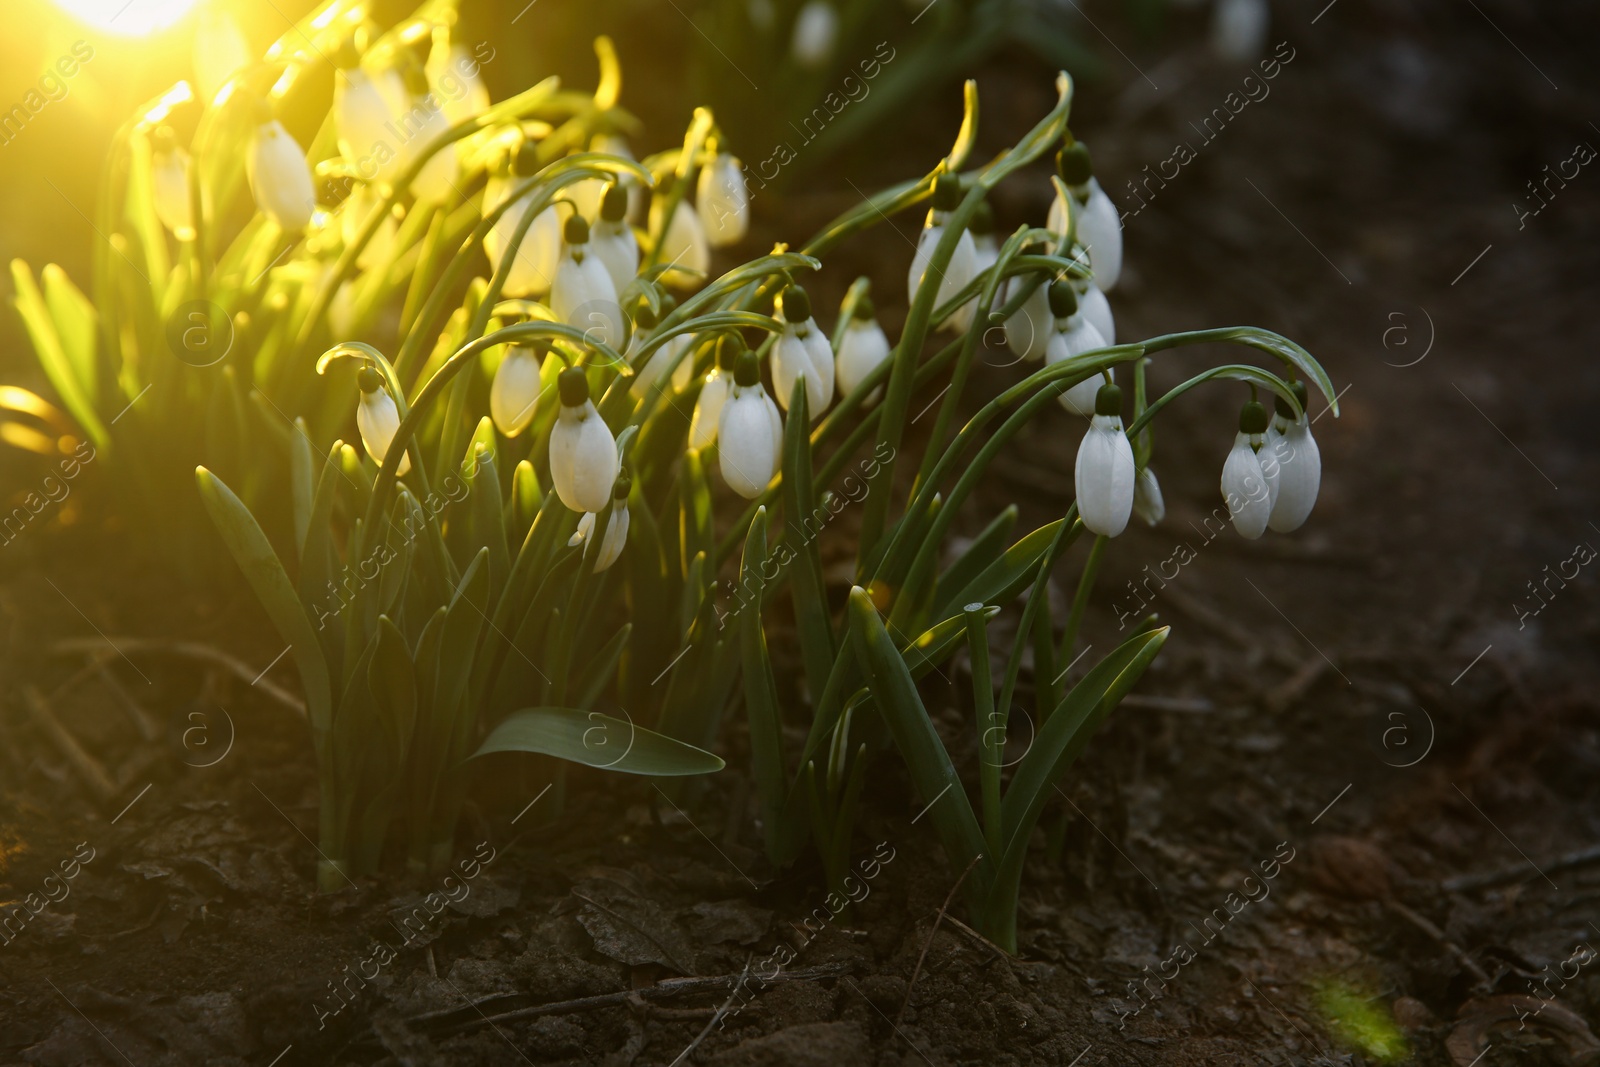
[[537, 436]]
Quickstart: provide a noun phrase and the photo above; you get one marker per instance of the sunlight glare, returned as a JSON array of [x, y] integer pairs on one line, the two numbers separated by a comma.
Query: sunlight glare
[[127, 18]]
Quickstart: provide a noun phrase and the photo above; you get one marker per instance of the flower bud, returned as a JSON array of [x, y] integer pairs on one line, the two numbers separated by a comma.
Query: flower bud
[[863, 350], [514, 396]]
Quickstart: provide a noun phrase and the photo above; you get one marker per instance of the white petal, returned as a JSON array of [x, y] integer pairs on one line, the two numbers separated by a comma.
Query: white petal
[[377, 419], [438, 181], [683, 372], [708, 410], [1028, 332], [723, 200], [583, 458], [1078, 337], [584, 298], [777, 427], [816, 29], [1239, 29], [458, 84], [534, 269], [585, 528], [962, 268], [684, 245], [169, 181], [1244, 489], [864, 347], [1267, 456], [1100, 231], [614, 244], [280, 177], [514, 396], [746, 444], [362, 118], [795, 357], [1148, 503], [220, 51], [1103, 477], [1300, 476], [615, 540], [1096, 310], [1056, 221]]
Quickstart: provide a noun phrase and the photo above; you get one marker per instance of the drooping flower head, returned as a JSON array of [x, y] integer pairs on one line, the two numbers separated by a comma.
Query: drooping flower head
[[750, 431], [1245, 488], [612, 239], [862, 351], [1072, 336], [1299, 462], [963, 265], [280, 177], [1099, 226], [801, 351], [583, 296], [723, 200], [514, 396], [714, 392], [583, 452], [377, 418], [1103, 477]]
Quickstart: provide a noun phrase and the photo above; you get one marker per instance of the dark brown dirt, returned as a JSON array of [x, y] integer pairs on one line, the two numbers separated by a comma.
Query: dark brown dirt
[[1361, 702]]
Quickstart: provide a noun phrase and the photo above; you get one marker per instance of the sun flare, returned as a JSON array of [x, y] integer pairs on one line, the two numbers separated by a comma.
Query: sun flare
[[127, 18]]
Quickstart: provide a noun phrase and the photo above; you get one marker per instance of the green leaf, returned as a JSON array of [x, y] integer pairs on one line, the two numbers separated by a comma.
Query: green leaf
[[596, 740], [694, 518], [1063, 736], [76, 325], [919, 743], [761, 691], [1013, 571], [71, 384], [984, 551], [265, 573], [803, 528]]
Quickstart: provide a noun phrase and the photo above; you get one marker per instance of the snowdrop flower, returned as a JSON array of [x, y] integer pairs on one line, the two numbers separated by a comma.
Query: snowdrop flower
[[221, 50], [1148, 502], [816, 31], [1072, 336], [801, 351], [749, 431], [280, 177], [723, 201], [1239, 29], [1103, 476], [462, 92], [583, 453], [864, 347], [583, 296], [424, 122], [169, 184], [1299, 463], [362, 118], [685, 247], [714, 394], [534, 268], [1099, 228], [986, 252], [648, 377], [616, 529], [612, 239], [963, 265], [1244, 485], [514, 396], [377, 418], [1096, 310], [1029, 330]]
